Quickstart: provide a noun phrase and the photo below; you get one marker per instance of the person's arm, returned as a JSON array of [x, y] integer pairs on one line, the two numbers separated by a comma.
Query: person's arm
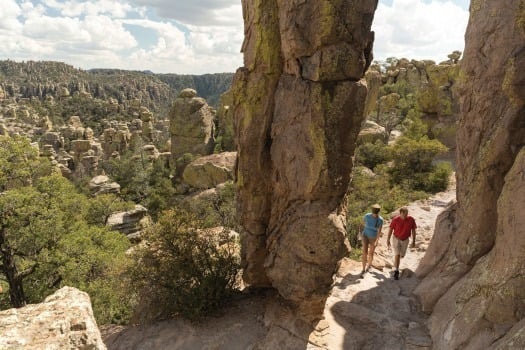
[[413, 238]]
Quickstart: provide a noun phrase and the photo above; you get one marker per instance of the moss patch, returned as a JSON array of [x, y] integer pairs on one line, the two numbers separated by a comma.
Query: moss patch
[[520, 17], [508, 82]]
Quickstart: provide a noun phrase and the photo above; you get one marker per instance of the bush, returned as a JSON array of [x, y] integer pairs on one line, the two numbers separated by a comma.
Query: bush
[[437, 180], [413, 160], [183, 270], [216, 209], [142, 181], [372, 154]]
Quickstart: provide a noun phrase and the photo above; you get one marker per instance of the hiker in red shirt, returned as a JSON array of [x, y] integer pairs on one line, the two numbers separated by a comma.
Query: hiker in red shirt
[[403, 226]]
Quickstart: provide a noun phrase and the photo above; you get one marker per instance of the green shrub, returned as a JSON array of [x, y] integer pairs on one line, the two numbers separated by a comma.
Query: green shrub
[[183, 270], [142, 181], [217, 209], [46, 229], [413, 127], [372, 154], [437, 180], [412, 157]]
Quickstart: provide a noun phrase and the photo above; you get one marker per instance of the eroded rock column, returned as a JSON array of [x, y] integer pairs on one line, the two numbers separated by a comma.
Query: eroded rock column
[[298, 106], [474, 270]]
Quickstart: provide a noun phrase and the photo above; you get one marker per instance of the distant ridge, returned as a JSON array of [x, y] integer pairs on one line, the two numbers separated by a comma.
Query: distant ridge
[[37, 79]]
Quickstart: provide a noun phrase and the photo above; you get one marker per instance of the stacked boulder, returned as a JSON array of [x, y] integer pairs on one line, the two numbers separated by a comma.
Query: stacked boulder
[[191, 125], [131, 223]]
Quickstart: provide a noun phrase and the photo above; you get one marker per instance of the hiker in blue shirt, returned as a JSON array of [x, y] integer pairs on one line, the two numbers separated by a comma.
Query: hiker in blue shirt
[[373, 224]]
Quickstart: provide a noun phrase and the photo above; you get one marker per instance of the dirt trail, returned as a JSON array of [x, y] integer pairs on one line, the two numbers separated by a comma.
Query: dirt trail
[[376, 311], [371, 313]]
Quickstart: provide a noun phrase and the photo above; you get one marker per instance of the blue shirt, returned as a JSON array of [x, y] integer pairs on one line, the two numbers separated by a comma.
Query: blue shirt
[[372, 224]]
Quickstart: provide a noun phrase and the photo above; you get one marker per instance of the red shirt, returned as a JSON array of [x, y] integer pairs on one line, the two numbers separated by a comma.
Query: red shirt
[[402, 228]]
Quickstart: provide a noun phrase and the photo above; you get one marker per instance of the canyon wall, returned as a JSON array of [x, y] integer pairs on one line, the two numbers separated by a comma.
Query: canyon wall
[[474, 271]]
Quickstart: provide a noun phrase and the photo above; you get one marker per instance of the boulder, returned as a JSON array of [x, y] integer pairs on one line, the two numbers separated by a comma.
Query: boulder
[[80, 146], [209, 171], [63, 321], [101, 184], [188, 93], [63, 92], [52, 138], [151, 152], [129, 222], [371, 132]]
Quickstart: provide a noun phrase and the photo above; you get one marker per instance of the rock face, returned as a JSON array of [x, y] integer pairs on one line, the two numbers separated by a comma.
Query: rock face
[[474, 282], [63, 321], [298, 104], [101, 184], [130, 222], [191, 125], [208, 172]]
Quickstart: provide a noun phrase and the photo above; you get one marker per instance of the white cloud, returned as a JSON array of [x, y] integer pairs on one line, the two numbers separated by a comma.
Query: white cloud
[[193, 50], [75, 8], [201, 12], [197, 36], [414, 29], [8, 15], [108, 34]]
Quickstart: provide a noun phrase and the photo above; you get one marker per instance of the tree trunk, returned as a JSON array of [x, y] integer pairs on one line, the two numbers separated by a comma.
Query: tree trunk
[[8, 268]]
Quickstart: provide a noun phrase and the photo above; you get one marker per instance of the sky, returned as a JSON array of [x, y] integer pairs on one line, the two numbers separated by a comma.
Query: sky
[[196, 36]]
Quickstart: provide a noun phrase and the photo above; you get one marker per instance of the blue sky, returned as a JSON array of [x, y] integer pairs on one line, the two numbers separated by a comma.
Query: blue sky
[[196, 36]]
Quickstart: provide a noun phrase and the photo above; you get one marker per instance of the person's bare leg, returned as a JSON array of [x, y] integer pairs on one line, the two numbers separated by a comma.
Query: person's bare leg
[[365, 253], [371, 253], [396, 262]]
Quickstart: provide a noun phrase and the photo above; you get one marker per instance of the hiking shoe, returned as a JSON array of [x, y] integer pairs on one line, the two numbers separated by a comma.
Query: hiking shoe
[[368, 268], [362, 274], [396, 274]]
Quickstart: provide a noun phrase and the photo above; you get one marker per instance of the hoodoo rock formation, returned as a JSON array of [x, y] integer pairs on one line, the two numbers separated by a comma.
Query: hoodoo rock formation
[[298, 105], [191, 125], [474, 271]]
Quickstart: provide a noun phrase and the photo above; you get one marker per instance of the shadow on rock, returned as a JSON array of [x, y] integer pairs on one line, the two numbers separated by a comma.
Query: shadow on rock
[[385, 315]]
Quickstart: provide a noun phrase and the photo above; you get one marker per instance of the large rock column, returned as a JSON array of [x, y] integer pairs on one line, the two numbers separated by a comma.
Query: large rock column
[[298, 105], [475, 268], [191, 125]]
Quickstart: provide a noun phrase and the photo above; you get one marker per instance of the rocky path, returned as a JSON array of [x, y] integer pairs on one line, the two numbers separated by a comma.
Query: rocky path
[[371, 313], [377, 312]]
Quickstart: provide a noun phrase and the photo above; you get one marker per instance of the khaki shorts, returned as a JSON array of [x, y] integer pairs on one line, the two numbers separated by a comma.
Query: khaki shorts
[[399, 246]]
